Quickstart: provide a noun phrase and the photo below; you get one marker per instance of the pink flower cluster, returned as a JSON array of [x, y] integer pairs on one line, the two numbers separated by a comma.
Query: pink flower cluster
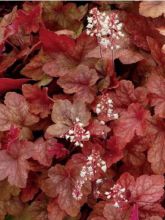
[[106, 27], [105, 106], [77, 134], [88, 171], [117, 195]]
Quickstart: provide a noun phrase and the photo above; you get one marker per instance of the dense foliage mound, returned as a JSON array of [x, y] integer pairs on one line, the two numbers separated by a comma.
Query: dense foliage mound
[[82, 110]]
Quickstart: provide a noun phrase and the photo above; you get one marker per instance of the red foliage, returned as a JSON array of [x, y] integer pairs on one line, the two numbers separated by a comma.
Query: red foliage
[[156, 85], [156, 152], [81, 82], [132, 122], [7, 84], [54, 43], [39, 102], [82, 124], [28, 19], [60, 184], [15, 111], [14, 164]]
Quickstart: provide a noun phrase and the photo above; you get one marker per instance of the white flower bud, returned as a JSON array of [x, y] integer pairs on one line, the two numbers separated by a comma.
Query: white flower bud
[[104, 168], [116, 116], [116, 205]]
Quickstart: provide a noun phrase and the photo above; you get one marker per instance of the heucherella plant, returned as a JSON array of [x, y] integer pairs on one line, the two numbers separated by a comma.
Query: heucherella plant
[[82, 110]]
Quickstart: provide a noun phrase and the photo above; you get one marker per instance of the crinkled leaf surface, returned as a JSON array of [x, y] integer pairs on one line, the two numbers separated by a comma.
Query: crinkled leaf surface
[[155, 86], [156, 154], [14, 164], [81, 82], [70, 79], [132, 122], [64, 115], [38, 99], [15, 111], [61, 183]]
